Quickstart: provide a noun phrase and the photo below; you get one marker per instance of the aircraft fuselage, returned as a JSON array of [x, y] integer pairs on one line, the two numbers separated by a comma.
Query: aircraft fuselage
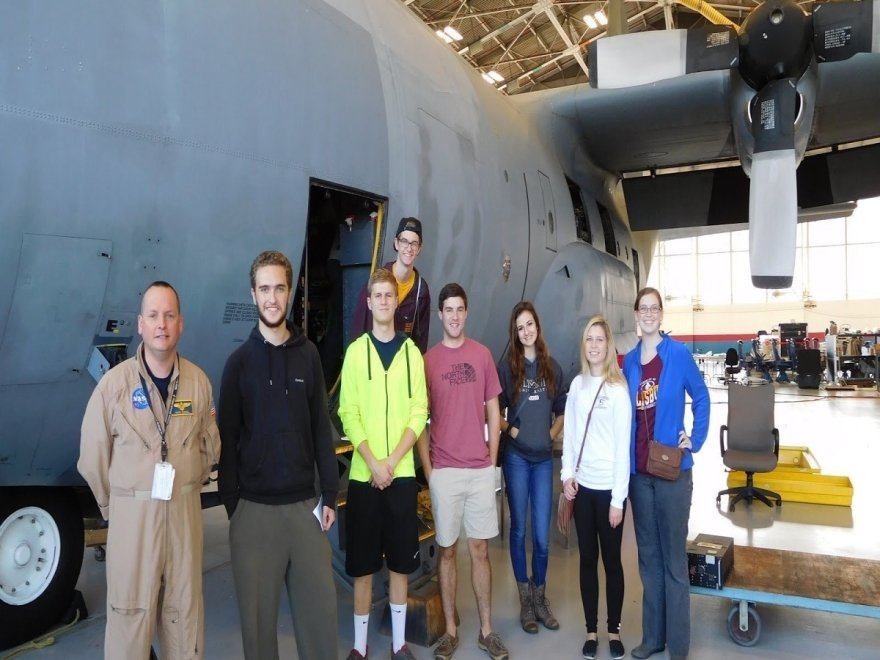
[[176, 141], [164, 143]]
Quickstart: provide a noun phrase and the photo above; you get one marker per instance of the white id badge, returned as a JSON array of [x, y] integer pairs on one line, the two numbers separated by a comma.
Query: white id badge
[[163, 481]]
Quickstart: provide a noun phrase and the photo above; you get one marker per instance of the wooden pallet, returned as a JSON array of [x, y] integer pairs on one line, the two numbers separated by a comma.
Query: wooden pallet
[[806, 575], [843, 585]]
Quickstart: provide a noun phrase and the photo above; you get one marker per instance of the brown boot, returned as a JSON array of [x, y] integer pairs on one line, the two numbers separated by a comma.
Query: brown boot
[[542, 607], [526, 608]]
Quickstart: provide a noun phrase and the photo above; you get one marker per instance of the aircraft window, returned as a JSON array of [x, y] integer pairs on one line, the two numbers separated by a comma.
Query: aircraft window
[[582, 224], [608, 230], [636, 269], [550, 221]]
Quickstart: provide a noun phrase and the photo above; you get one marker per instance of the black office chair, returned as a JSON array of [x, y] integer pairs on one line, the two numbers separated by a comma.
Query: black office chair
[[731, 365], [752, 441]]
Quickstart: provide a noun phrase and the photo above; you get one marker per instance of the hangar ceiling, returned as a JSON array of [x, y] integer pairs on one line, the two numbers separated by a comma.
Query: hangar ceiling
[[528, 45]]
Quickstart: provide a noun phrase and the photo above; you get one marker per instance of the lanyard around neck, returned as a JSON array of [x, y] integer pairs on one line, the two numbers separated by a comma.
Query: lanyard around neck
[[159, 427]]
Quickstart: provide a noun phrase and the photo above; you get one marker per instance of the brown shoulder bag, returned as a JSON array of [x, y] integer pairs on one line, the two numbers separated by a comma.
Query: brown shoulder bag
[[664, 462]]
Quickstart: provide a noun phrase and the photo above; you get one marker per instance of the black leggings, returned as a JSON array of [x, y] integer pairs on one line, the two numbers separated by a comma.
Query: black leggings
[[591, 521]]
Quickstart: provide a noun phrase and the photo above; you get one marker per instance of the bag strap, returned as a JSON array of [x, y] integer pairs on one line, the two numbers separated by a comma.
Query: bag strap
[[587, 428], [681, 451]]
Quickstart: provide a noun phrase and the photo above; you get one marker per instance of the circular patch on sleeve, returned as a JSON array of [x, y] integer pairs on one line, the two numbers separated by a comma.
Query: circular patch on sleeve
[[139, 399]]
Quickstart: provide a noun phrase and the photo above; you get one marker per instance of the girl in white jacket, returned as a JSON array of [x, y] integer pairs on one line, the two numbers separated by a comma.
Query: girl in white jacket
[[595, 474]]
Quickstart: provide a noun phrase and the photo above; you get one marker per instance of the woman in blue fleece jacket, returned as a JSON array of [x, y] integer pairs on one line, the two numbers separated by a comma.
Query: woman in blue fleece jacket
[[659, 372]]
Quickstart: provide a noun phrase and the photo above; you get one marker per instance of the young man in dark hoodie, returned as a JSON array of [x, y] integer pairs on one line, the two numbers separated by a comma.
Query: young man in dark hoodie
[[274, 429], [413, 315]]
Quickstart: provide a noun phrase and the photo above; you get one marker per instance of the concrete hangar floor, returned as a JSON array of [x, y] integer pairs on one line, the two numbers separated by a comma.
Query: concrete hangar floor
[[842, 431]]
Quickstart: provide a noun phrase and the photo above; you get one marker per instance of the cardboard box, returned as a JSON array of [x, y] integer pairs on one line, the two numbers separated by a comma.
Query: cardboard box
[[710, 559]]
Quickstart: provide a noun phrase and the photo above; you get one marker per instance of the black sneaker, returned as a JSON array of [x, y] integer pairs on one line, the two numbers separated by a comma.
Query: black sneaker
[[616, 648], [591, 646]]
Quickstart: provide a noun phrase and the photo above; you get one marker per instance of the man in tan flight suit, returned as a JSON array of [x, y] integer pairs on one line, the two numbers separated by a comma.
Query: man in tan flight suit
[[154, 409]]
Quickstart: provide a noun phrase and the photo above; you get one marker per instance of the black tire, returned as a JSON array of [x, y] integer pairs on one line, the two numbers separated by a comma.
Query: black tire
[[747, 637], [37, 526]]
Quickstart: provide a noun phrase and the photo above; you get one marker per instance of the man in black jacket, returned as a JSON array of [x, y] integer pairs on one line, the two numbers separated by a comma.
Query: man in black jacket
[[274, 430]]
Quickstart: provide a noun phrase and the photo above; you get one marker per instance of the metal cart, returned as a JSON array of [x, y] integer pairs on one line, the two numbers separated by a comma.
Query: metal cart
[[795, 579]]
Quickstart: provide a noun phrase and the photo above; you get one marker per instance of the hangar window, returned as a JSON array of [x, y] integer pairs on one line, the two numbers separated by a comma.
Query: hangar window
[[830, 261], [580, 212], [608, 230]]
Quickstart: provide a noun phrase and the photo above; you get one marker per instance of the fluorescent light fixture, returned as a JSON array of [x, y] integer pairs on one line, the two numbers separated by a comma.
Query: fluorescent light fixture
[[591, 22], [601, 17], [453, 33], [444, 36], [487, 78], [497, 77]]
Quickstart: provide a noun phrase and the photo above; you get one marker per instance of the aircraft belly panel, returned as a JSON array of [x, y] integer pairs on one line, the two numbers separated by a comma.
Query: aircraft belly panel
[[580, 283], [59, 289]]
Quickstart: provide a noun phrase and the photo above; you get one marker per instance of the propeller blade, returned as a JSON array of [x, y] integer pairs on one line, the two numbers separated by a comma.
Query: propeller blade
[[773, 219], [773, 187], [627, 60], [842, 29]]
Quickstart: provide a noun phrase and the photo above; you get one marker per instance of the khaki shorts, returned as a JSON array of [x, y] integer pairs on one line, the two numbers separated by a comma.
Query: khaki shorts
[[463, 494]]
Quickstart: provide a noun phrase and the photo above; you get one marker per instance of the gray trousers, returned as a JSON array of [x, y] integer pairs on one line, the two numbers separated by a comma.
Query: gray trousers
[[660, 512], [273, 545]]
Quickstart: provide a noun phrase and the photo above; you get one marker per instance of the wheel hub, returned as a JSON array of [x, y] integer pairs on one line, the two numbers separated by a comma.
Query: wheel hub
[[22, 554], [30, 547]]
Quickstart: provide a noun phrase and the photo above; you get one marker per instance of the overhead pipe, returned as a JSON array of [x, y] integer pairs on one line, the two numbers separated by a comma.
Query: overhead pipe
[[708, 12]]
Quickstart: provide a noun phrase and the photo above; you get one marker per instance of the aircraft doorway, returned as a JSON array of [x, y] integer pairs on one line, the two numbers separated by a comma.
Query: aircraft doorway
[[340, 247]]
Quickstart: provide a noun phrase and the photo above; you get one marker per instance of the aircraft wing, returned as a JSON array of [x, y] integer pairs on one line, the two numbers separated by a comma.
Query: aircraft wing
[[687, 121], [641, 132], [787, 83], [670, 123], [847, 101]]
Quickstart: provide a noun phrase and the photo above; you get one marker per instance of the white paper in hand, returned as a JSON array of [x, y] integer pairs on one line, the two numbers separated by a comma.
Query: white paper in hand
[[319, 511]]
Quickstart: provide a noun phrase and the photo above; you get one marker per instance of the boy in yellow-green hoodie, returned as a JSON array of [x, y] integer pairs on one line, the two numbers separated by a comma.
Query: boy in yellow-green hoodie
[[383, 406]]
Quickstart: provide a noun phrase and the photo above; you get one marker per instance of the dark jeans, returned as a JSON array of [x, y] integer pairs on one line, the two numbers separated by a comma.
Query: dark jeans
[[660, 514], [526, 481], [594, 530]]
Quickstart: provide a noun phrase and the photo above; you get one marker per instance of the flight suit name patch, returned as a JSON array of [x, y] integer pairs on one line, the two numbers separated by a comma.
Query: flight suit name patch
[[182, 407]]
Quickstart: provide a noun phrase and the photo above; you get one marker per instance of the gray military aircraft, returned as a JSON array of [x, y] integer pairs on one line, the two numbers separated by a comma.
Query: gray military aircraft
[[175, 141]]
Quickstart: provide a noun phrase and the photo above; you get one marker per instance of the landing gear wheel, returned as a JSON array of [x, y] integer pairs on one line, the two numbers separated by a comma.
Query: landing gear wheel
[[41, 550], [748, 637]]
